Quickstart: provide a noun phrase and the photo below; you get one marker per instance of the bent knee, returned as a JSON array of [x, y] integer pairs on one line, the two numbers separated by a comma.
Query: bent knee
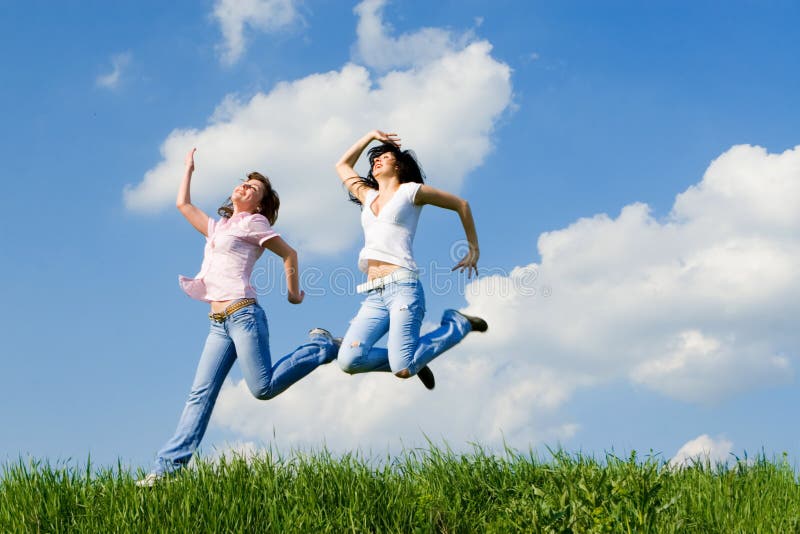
[[404, 373], [349, 356], [263, 392], [348, 364]]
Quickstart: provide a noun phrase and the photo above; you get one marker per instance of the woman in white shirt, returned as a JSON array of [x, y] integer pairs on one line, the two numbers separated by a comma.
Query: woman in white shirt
[[391, 198]]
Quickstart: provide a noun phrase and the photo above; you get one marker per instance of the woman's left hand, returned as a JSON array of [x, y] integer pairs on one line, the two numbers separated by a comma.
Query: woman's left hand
[[469, 262]]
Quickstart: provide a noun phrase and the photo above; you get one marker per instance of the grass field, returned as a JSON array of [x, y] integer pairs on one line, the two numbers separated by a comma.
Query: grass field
[[431, 490]]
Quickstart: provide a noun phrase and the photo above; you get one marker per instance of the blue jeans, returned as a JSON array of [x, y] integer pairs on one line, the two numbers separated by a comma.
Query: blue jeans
[[397, 308], [243, 335]]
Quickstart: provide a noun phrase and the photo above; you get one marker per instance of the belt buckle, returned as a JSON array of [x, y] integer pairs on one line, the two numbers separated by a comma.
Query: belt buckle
[[218, 317], [381, 283]]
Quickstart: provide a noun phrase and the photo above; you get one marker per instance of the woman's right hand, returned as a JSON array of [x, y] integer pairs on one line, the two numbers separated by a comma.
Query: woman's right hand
[[190, 160], [384, 137]]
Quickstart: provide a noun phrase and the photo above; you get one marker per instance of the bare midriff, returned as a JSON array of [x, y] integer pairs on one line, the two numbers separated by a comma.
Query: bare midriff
[[220, 305], [377, 269]]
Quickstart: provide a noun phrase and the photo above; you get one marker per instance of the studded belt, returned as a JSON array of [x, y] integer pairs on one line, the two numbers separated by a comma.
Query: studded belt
[[227, 312]]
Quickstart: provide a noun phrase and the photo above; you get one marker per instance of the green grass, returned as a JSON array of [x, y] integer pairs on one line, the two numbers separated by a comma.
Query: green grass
[[421, 491]]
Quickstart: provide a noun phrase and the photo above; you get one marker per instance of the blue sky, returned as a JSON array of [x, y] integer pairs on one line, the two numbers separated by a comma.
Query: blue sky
[[571, 127]]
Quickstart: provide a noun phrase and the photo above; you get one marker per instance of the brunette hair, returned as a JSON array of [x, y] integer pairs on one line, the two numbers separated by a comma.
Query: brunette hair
[[408, 167], [270, 202]]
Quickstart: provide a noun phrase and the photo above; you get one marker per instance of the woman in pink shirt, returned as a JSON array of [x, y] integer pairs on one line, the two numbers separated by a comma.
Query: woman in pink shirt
[[238, 328]]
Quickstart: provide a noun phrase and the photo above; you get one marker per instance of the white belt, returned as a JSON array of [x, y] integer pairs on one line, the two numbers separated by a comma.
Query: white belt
[[379, 283]]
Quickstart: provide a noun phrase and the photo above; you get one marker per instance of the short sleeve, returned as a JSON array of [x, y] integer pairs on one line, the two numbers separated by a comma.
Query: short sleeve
[[259, 231], [411, 190]]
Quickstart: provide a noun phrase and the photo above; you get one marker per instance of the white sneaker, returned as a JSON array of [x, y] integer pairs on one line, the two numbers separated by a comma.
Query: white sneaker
[[324, 333], [149, 481]]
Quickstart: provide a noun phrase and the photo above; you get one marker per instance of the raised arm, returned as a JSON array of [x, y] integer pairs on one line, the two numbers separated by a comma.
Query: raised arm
[[345, 167], [436, 197], [193, 214], [290, 266]]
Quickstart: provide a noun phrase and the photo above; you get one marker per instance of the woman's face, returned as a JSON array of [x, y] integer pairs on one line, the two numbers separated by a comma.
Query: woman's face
[[247, 195], [386, 163]]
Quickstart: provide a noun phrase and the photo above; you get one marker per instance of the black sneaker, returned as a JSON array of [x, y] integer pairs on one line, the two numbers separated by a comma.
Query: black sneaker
[[477, 324], [426, 376]]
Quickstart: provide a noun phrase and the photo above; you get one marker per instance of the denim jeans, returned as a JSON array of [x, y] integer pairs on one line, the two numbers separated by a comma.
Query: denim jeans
[[243, 335], [397, 308]]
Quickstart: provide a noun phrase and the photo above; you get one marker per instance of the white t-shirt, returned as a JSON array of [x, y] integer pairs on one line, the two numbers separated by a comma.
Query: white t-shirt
[[389, 235]]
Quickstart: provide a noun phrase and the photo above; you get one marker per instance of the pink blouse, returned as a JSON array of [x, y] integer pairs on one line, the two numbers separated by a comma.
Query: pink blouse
[[232, 248]]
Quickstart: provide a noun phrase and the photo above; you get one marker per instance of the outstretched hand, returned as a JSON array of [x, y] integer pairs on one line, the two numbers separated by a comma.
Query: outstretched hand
[[384, 137], [469, 262], [190, 159]]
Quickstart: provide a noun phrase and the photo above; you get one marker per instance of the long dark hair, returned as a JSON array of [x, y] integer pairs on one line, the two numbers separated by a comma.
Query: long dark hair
[[270, 202], [408, 167]]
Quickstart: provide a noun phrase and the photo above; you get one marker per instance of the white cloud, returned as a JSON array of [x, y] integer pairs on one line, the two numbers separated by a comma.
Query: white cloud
[[112, 79], [264, 15], [696, 307], [698, 368], [703, 449], [474, 400], [230, 450], [444, 109], [377, 48], [693, 307]]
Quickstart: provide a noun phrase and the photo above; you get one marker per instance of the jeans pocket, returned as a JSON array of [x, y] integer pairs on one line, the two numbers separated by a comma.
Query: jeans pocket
[[247, 317]]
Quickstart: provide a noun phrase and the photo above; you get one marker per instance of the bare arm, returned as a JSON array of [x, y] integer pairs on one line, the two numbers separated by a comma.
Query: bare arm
[[193, 214], [436, 197], [290, 266], [345, 167]]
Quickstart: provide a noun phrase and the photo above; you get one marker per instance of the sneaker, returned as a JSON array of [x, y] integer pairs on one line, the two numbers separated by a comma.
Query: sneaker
[[426, 376], [150, 480], [477, 324], [324, 333]]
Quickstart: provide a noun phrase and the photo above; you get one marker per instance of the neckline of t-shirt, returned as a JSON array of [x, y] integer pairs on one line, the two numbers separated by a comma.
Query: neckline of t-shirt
[[377, 194]]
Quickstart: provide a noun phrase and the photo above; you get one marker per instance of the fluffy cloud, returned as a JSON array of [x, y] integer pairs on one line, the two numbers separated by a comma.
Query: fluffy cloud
[[245, 450], [696, 306], [112, 79], [445, 110], [377, 48], [265, 15], [699, 368], [703, 449], [377, 411], [699, 306]]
